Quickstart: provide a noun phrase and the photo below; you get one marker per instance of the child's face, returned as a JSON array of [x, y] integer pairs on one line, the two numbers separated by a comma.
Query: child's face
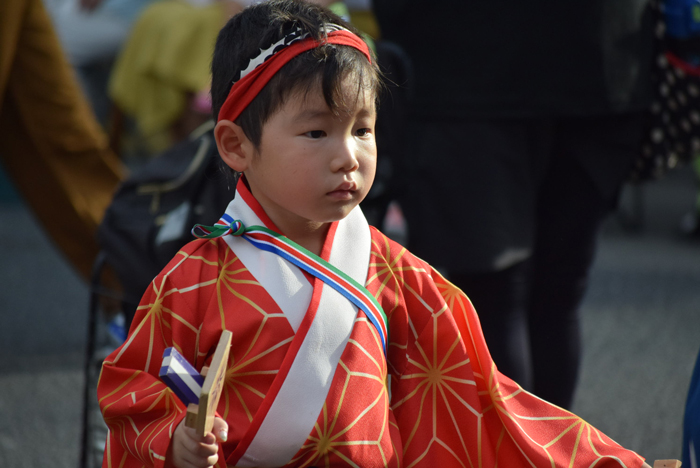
[[314, 167]]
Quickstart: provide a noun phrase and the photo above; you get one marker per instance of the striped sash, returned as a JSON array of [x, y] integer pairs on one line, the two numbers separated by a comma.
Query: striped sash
[[270, 241]]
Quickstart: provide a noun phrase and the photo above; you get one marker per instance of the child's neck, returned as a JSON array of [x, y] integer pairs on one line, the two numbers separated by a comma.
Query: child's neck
[[309, 234], [312, 238]]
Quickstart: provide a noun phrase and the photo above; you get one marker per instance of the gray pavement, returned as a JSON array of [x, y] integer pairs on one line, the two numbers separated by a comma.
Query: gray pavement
[[641, 333]]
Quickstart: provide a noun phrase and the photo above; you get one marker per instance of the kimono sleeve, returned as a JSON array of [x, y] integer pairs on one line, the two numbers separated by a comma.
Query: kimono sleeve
[[139, 409], [454, 408]]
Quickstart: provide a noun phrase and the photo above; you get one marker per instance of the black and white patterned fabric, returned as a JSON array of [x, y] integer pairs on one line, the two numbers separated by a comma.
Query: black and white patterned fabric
[[673, 127], [294, 35]]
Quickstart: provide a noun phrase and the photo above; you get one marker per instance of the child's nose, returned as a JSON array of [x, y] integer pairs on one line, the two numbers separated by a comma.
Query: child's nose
[[345, 158]]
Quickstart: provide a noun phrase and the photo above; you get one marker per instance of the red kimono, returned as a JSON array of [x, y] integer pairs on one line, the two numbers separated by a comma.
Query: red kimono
[[309, 382]]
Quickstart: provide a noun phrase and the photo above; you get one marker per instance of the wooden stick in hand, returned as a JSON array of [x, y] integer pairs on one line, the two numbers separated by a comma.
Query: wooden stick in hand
[[201, 416], [667, 464]]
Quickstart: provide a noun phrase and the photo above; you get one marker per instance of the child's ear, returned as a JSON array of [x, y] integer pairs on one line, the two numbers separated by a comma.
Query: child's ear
[[234, 146]]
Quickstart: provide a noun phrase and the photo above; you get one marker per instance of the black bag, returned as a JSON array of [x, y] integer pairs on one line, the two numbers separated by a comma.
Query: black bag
[[153, 211]]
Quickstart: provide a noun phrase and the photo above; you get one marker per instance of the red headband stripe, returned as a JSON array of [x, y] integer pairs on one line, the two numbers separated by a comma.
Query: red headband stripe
[[244, 90]]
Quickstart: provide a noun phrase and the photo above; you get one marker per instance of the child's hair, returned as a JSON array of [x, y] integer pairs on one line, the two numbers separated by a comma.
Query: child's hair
[[259, 26]]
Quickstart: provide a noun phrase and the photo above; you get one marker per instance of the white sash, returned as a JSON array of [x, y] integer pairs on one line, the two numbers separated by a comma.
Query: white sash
[[300, 399]]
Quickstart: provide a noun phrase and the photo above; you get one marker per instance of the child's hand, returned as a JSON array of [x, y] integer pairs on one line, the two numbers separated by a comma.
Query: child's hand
[[188, 450]]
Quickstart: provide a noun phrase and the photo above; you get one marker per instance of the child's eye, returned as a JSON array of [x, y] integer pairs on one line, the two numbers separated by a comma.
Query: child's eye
[[315, 134], [363, 131]]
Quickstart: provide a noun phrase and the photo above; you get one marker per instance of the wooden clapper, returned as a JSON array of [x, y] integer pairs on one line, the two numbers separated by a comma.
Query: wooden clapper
[[667, 464], [199, 392]]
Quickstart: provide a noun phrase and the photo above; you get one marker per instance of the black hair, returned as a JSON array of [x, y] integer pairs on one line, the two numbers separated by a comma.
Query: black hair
[[259, 26]]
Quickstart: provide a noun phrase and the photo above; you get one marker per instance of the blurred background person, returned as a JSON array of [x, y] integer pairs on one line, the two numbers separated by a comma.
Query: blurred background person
[[51, 145], [92, 33], [160, 78], [526, 120]]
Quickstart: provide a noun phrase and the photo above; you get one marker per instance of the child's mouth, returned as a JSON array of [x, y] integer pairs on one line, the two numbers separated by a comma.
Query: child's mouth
[[345, 191]]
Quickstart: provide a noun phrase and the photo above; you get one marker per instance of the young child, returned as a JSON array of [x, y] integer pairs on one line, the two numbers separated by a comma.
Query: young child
[[322, 370]]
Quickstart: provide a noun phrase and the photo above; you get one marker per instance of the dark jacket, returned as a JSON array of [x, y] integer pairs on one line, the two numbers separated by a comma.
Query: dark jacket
[[500, 58]]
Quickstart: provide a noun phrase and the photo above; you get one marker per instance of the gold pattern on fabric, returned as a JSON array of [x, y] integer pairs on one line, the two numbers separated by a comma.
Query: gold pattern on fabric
[[437, 399]]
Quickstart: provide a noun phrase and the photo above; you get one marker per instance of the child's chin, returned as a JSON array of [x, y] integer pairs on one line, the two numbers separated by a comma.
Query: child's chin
[[341, 213]]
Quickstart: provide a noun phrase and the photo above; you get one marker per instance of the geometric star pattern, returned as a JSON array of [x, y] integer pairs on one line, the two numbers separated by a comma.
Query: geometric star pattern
[[437, 400]]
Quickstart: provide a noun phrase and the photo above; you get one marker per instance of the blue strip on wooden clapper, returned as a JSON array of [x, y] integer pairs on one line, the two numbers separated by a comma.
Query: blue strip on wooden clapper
[[181, 377]]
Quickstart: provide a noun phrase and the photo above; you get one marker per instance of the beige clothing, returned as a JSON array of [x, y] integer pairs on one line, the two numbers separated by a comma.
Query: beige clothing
[[50, 143]]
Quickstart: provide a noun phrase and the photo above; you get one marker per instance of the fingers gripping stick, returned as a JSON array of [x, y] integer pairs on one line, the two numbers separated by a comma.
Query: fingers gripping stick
[[200, 393]]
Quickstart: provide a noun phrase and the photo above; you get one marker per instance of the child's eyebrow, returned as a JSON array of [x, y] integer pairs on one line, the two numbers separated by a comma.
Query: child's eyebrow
[[308, 114], [366, 111]]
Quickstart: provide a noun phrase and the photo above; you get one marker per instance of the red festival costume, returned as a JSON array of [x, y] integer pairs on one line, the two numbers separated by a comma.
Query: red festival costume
[[435, 399]]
